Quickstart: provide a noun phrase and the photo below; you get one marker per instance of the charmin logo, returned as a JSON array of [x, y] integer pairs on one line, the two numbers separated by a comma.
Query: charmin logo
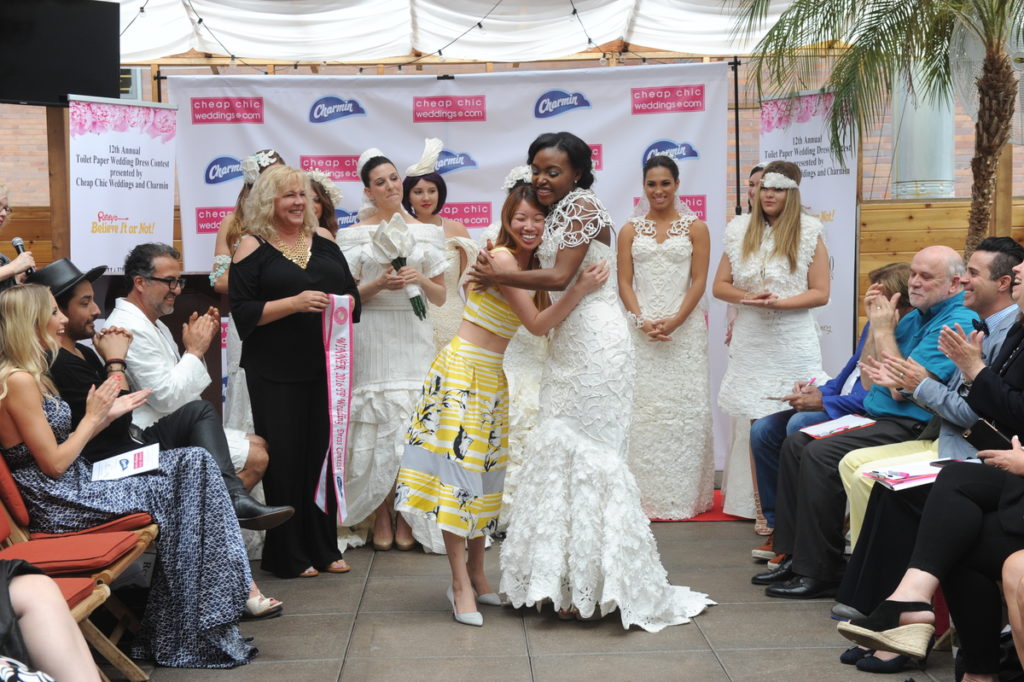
[[208, 219], [597, 156], [667, 99], [227, 110], [346, 218], [222, 169], [462, 108], [337, 168], [698, 203], [471, 213], [332, 108], [555, 102], [680, 151], [449, 161]]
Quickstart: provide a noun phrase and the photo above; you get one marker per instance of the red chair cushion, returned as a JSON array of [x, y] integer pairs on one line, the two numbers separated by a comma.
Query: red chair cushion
[[75, 554], [11, 496], [75, 590], [130, 522]]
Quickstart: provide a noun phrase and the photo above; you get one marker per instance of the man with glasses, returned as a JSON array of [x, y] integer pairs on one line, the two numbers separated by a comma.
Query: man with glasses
[[153, 361]]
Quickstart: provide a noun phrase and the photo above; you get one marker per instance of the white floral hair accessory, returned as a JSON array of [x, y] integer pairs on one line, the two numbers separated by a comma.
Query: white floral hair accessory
[[370, 153], [519, 174], [778, 181], [324, 180], [254, 164], [428, 159]]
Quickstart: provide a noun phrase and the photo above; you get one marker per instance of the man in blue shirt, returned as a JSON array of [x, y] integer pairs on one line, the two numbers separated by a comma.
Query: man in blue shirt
[[811, 500]]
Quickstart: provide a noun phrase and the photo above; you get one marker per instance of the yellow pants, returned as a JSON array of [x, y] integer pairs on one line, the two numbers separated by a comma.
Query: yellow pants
[[856, 462]]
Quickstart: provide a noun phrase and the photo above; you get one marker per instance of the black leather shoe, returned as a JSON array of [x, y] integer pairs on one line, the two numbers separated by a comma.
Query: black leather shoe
[[255, 516], [778, 575], [803, 587]]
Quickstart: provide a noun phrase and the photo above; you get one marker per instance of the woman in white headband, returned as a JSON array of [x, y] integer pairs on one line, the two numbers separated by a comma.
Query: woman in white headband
[[775, 269], [393, 351]]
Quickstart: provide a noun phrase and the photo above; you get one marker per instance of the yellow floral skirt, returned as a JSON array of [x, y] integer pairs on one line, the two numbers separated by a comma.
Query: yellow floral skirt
[[453, 469]]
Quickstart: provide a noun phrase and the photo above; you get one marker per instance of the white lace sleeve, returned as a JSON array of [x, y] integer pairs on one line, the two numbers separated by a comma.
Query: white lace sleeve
[[580, 217], [732, 241], [810, 229]]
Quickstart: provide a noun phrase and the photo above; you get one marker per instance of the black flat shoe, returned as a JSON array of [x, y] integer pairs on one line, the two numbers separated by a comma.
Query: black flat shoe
[[255, 516], [882, 630], [777, 575], [803, 587], [854, 654], [873, 664]]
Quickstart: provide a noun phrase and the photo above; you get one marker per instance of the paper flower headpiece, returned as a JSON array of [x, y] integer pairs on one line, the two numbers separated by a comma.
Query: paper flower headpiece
[[254, 164], [519, 174], [428, 159], [318, 176], [778, 181]]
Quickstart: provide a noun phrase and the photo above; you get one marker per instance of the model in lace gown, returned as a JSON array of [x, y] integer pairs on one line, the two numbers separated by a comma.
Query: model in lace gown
[[424, 195], [392, 353], [775, 268], [202, 579], [577, 535], [663, 267]]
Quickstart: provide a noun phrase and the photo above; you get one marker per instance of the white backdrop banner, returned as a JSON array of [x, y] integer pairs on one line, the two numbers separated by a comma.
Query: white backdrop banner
[[122, 178], [794, 129], [487, 121]]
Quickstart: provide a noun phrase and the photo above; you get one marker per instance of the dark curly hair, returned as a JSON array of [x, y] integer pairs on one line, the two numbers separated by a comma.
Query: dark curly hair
[[139, 261], [578, 151]]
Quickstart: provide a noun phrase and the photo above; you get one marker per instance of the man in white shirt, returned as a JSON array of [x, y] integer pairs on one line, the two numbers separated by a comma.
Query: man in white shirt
[[153, 361]]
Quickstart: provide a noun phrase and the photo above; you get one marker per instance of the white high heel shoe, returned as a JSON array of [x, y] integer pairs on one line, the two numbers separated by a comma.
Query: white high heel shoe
[[489, 599], [474, 618]]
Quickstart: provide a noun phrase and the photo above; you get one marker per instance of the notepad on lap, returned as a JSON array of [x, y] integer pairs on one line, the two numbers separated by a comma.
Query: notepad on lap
[[127, 463], [834, 426], [903, 476]]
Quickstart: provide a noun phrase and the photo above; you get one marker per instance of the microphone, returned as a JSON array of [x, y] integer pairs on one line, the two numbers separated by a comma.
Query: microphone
[[19, 245]]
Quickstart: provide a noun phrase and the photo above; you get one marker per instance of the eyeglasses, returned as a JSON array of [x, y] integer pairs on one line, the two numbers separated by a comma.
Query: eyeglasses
[[6, 209], [171, 282]]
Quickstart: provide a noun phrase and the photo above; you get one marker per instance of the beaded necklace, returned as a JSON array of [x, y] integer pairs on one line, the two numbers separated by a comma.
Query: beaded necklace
[[297, 253]]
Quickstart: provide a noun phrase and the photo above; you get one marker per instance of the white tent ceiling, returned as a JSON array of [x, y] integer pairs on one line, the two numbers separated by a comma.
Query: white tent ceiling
[[359, 30]]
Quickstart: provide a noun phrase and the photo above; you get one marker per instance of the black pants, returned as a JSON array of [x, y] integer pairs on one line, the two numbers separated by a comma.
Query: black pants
[[963, 543], [883, 550], [811, 501], [196, 424], [293, 418]]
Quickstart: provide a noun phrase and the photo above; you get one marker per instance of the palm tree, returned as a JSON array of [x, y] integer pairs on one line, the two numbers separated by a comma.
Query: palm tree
[[871, 43]]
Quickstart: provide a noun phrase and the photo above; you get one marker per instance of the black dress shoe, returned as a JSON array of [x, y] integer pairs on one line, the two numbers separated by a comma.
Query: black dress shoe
[[255, 516], [778, 575], [803, 587]]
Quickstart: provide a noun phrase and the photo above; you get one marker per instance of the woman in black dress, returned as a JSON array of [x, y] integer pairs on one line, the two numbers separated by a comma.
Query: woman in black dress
[[282, 274]]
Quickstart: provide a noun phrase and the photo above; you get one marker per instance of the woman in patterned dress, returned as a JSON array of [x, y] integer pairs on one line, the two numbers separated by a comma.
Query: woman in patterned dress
[[201, 581], [454, 460], [663, 253], [577, 534]]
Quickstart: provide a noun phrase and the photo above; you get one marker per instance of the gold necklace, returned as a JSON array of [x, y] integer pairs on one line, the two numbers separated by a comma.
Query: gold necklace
[[297, 253]]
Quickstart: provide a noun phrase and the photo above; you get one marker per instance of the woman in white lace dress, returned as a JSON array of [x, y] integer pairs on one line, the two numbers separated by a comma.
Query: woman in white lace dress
[[664, 253], [775, 268], [425, 193], [392, 353], [577, 535]]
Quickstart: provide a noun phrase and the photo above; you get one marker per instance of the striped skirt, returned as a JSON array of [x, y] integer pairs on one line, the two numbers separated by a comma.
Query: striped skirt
[[453, 469]]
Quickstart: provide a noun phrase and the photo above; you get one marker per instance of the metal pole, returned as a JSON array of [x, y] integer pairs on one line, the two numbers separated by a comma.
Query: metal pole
[[735, 64]]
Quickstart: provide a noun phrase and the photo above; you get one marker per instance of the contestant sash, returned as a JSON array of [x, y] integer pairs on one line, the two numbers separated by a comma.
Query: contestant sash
[[337, 328]]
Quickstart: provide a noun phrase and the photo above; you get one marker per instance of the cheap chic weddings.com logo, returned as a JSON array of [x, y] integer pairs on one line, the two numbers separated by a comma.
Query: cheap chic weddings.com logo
[[222, 169], [208, 219], [331, 108], [555, 102], [337, 168], [449, 108], [227, 110], [667, 99]]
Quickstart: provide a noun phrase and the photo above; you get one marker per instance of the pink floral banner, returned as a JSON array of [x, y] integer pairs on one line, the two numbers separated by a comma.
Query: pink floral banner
[[780, 113], [122, 178]]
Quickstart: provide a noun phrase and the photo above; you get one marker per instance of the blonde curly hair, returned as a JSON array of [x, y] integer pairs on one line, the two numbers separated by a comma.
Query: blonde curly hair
[[259, 205]]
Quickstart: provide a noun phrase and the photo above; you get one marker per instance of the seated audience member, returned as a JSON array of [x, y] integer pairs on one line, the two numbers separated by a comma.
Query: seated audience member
[[811, 504], [1013, 593], [201, 582], [992, 386], [987, 288], [37, 630], [11, 271], [76, 368], [809, 405], [154, 274]]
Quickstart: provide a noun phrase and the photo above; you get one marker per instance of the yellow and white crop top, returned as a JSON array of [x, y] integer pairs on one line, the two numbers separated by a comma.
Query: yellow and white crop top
[[489, 309]]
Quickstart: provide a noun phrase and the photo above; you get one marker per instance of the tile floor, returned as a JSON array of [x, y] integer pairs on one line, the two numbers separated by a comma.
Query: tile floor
[[388, 620]]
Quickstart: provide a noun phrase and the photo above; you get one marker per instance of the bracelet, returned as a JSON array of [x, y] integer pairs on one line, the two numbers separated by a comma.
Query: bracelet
[[637, 320], [115, 361], [221, 263]]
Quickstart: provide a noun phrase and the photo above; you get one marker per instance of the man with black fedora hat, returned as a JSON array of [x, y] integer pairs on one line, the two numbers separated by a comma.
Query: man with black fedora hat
[[77, 368]]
